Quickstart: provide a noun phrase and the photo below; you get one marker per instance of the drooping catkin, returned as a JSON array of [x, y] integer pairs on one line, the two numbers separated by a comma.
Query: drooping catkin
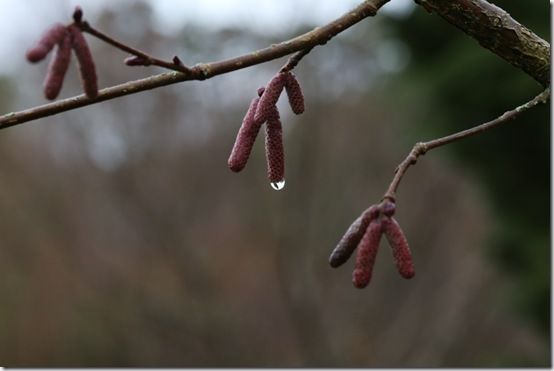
[[86, 62], [57, 69], [400, 249], [367, 252], [245, 139], [270, 97], [352, 237], [294, 93], [274, 150], [49, 39]]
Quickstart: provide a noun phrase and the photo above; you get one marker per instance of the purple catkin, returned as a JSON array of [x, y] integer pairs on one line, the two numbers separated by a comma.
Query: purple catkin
[[51, 37], [86, 63], [245, 139], [57, 69], [352, 237], [270, 97], [294, 93], [367, 252], [400, 250], [274, 151]]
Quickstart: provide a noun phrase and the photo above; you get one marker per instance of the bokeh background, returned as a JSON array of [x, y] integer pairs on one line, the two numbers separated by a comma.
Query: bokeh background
[[126, 240]]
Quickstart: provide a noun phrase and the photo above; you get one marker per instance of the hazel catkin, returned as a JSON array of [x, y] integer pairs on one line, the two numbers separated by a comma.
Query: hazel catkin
[[270, 97], [366, 255], [400, 249], [86, 62], [57, 69], [49, 39], [352, 237], [245, 139], [275, 154], [294, 93]]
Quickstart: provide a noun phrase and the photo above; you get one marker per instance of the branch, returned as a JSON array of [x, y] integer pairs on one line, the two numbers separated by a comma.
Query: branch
[[421, 148], [301, 44], [497, 31]]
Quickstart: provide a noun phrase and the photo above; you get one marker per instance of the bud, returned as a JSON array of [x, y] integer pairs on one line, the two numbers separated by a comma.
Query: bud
[[86, 63], [270, 97], [352, 237], [367, 252], [245, 139], [388, 208], [274, 151], [51, 37], [57, 69], [294, 93], [78, 14], [400, 250], [136, 61]]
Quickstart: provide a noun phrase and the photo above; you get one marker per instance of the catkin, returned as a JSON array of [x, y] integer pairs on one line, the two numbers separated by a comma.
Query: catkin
[[274, 150], [245, 139], [352, 237], [57, 69], [86, 62], [49, 39], [400, 249], [294, 93], [367, 252], [270, 97]]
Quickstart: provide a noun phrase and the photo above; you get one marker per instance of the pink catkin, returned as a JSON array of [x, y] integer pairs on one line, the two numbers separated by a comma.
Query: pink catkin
[[366, 255], [400, 249], [57, 69], [294, 93], [352, 237], [245, 139], [274, 151], [49, 39], [270, 97], [86, 63]]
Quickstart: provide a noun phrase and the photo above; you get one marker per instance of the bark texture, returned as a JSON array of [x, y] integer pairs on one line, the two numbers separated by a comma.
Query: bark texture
[[497, 31]]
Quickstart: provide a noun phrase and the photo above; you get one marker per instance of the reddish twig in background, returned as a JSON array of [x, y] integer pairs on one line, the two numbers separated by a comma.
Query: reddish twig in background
[[421, 148]]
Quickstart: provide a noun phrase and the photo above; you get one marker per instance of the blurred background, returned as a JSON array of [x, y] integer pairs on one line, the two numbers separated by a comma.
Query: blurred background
[[126, 240]]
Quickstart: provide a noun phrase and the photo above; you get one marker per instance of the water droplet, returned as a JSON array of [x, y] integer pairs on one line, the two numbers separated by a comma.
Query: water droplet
[[278, 185]]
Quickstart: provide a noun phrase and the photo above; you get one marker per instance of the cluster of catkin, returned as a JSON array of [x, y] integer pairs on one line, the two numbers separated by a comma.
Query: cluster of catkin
[[365, 234], [65, 38], [262, 110]]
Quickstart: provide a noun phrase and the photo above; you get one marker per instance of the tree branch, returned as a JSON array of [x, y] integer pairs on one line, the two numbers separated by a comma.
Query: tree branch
[[421, 148], [301, 44], [497, 31]]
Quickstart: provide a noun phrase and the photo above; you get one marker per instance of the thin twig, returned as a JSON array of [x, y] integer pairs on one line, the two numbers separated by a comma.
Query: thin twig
[[421, 148], [202, 71], [148, 59]]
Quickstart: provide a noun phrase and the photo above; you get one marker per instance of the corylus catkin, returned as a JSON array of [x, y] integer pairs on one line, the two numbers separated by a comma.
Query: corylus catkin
[[245, 139], [294, 93], [86, 63], [51, 37], [270, 97], [57, 69], [400, 249], [367, 252], [352, 237], [274, 151]]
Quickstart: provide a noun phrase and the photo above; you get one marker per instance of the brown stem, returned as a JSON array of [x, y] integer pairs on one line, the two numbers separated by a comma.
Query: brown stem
[[148, 59], [497, 31], [202, 71], [421, 148]]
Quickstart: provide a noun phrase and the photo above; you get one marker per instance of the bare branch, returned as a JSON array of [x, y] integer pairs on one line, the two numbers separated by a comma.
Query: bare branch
[[421, 148], [202, 71]]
